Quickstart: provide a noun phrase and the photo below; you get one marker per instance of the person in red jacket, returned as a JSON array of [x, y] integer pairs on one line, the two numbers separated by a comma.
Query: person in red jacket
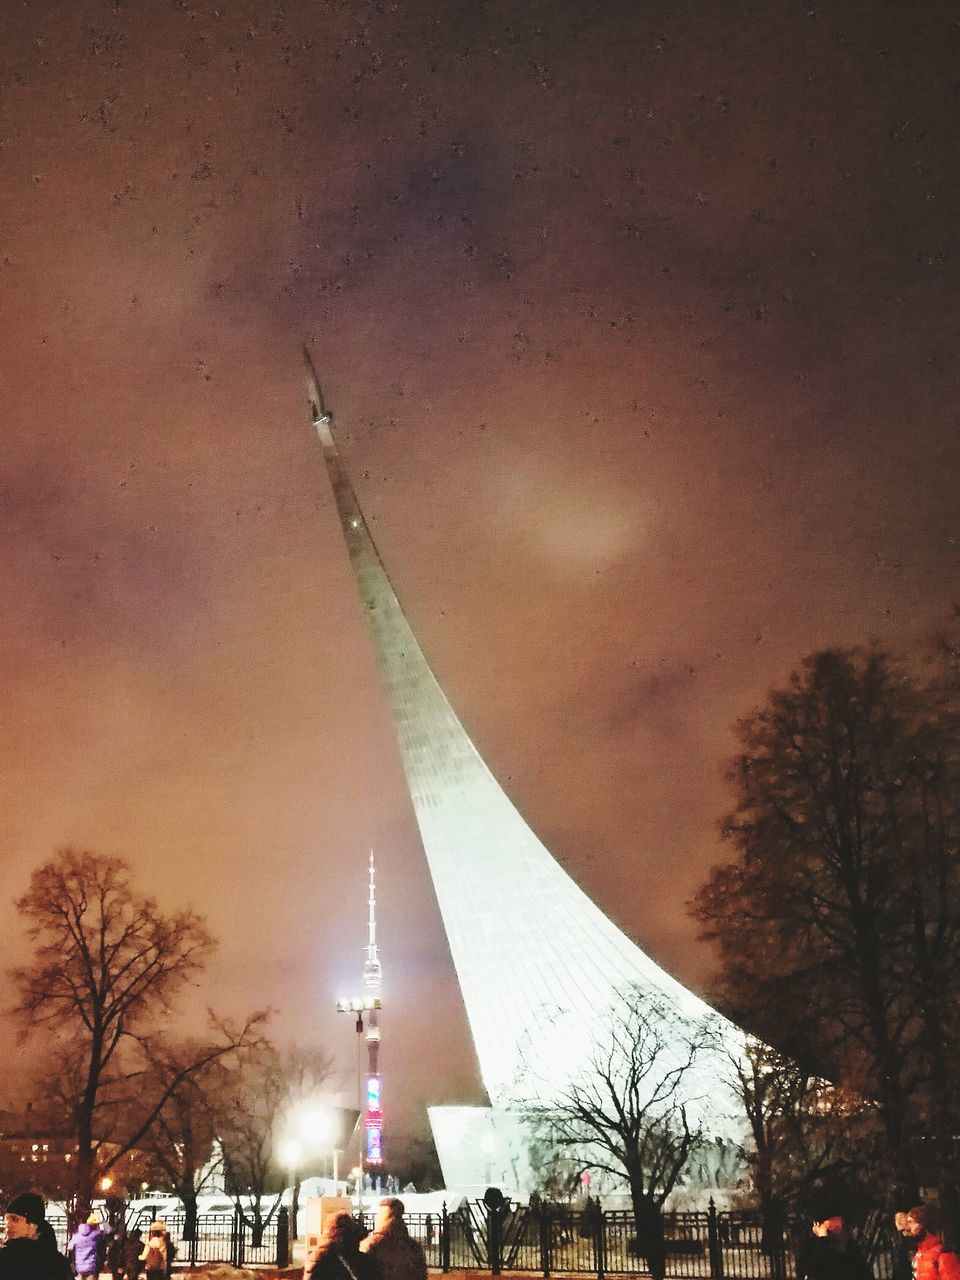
[[931, 1261]]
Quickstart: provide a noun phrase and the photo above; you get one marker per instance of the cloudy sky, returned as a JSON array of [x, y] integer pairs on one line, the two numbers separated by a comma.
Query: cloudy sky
[[639, 322]]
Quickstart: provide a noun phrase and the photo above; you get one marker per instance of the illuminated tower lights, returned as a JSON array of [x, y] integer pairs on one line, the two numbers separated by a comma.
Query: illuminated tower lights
[[367, 1010]]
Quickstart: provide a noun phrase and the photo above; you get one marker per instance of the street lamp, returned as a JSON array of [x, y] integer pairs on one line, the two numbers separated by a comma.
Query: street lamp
[[291, 1154], [112, 1202], [320, 1128]]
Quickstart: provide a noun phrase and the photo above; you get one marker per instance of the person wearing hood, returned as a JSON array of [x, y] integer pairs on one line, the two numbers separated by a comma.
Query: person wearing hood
[[30, 1252], [158, 1252], [87, 1249]]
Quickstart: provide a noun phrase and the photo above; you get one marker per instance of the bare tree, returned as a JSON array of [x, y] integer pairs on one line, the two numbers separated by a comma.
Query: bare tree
[[106, 970], [184, 1139], [838, 924], [805, 1136], [264, 1092], [630, 1113]]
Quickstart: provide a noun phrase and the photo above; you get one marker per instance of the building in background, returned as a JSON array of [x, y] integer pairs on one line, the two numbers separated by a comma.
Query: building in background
[[38, 1152]]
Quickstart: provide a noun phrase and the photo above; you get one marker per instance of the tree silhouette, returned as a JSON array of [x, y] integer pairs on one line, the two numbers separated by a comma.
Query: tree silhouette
[[838, 924], [805, 1136], [264, 1092], [184, 1140], [630, 1112], [106, 970]]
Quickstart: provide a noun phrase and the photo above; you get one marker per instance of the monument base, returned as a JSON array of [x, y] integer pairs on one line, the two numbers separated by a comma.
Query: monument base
[[480, 1147]]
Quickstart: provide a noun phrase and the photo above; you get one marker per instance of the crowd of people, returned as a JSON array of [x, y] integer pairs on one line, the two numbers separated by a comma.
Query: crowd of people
[[389, 1252], [30, 1251], [344, 1252]]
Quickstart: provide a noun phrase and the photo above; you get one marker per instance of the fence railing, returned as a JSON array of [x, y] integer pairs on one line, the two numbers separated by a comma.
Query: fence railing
[[224, 1237], [543, 1239], [217, 1237], [551, 1239]]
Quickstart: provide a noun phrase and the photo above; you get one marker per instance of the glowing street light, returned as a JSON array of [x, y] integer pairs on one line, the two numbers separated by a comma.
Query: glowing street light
[[320, 1128], [291, 1154]]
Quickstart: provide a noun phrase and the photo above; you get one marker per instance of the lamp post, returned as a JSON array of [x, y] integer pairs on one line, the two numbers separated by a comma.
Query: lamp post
[[291, 1153], [112, 1202], [320, 1128]]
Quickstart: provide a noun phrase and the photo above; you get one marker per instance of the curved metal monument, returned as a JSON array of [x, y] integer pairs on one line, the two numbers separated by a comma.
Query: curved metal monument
[[541, 968]]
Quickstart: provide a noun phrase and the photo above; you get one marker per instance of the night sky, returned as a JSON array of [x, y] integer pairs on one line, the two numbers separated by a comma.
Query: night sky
[[639, 325]]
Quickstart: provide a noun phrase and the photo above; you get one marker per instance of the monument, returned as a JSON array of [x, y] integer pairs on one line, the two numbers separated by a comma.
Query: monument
[[541, 968]]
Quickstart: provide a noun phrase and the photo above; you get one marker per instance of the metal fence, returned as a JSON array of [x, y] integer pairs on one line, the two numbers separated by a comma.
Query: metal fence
[[218, 1237], [543, 1239], [224, 1237], [558, 1239]]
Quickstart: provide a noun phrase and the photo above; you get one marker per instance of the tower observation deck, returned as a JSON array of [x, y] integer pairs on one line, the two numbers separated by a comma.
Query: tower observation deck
[[540, 967]]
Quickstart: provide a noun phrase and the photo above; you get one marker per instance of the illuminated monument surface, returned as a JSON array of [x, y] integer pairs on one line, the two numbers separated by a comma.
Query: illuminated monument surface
[[541, 968]]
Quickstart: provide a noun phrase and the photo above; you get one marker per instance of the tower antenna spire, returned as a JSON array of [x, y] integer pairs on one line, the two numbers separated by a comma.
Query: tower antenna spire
[[371, 970]]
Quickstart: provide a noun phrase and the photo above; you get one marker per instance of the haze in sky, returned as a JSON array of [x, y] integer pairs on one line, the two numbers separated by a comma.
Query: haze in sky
[[639, 324]]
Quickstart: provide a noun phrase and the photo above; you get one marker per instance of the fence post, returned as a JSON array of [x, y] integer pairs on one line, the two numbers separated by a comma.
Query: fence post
[[778, 1251], [494, 1238], [193, 1244], [283, 1237], [444, 1238], [236, 1238], [544, 1226], [600, 1241], [713, 1243]]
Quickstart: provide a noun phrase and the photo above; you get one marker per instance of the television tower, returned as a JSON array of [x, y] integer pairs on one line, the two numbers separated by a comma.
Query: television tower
[[367, 1010]]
